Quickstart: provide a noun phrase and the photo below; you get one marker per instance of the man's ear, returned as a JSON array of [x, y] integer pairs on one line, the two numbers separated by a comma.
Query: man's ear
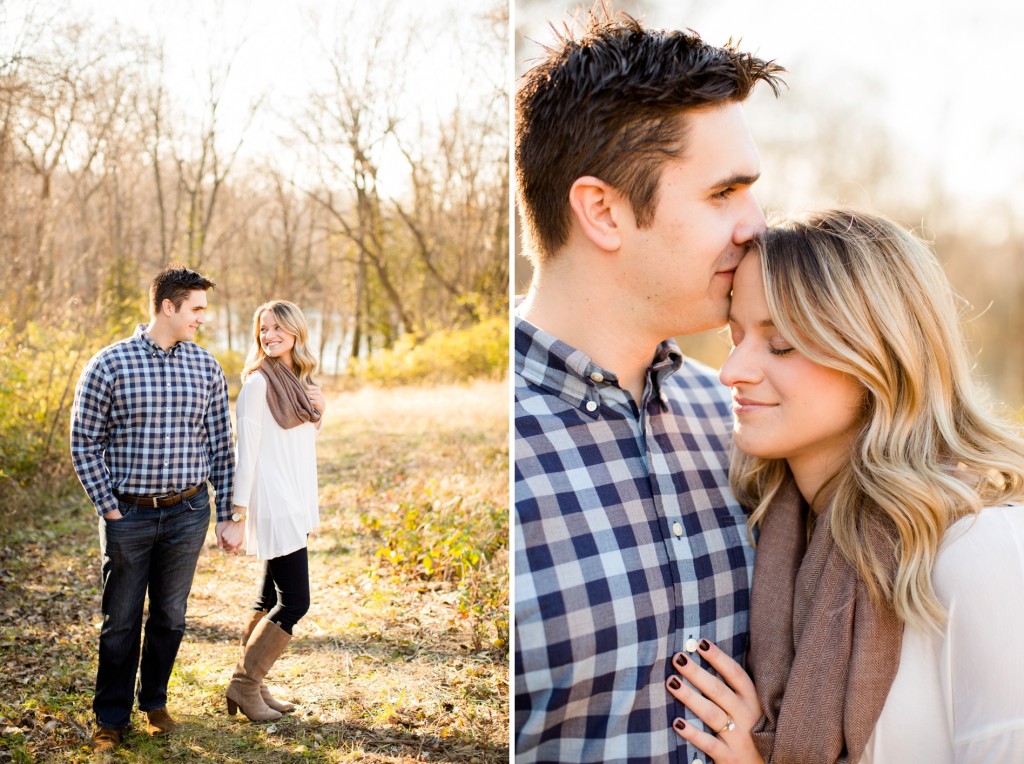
[[599, 211], [167, 307]]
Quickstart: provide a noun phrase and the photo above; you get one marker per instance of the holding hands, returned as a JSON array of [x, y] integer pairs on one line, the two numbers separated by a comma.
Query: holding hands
[[231, 535], [728, 705]]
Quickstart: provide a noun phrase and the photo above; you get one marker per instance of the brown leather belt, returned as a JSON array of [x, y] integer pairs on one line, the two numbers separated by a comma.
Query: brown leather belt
[[167, 500]]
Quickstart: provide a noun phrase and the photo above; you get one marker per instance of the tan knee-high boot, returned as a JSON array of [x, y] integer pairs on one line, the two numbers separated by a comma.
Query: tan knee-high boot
[[255, 616], [265, 645]]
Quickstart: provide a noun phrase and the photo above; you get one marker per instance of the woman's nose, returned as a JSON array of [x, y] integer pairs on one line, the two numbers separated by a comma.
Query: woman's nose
[[739, 368]]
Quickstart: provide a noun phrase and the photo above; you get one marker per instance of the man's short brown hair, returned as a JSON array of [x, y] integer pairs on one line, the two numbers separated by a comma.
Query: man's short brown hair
[[174, 283], [610, 104]]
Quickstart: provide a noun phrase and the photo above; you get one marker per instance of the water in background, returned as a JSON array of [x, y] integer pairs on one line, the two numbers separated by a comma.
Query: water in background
[[333, 353]]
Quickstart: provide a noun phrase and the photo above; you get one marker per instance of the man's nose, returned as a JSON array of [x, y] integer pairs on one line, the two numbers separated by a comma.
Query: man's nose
[[751, 221]]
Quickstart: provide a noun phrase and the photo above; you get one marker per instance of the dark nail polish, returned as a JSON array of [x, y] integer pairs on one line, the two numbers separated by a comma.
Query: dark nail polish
[[680, 660], [679, 724], [705, 645], [674, 683]]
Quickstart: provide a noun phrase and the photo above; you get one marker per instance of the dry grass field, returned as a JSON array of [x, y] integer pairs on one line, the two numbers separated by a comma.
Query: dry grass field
[[403, 655]]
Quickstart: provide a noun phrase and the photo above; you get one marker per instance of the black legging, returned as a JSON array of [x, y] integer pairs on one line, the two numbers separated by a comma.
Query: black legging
[[285, 590]]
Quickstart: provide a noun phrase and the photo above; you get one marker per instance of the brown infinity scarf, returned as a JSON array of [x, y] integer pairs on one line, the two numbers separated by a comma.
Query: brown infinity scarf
[[823, 655], [286, 395]]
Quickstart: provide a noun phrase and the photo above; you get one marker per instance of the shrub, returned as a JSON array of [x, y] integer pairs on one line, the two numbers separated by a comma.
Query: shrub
[[231, 361], [456, 356], [39, 367], [449, 538]]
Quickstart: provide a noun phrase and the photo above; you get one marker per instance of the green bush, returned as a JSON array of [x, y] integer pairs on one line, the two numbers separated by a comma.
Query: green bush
[[232, 362], [39, 367], [481, 351], [449, 539]]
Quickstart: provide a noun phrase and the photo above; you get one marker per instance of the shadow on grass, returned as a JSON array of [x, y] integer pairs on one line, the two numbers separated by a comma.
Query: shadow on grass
[[212, 736], [208, 739]]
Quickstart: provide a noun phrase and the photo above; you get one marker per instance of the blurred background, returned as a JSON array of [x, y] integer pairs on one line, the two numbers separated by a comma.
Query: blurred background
[[906, 108], [348, 158]]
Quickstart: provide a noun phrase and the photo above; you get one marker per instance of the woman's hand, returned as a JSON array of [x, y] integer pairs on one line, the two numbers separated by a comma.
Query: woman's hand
[[729, 707], [316, 397], [231, 535]]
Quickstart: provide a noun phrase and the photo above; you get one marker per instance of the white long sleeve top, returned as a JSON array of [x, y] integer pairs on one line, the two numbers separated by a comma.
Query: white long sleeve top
[[958, 696], [275, 476]]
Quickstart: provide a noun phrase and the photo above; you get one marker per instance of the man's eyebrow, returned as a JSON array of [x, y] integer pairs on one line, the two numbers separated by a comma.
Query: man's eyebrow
[[737, 180]]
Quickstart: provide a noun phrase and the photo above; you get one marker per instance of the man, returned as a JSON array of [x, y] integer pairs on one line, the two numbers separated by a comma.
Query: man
[[150, 426], [635, 167]]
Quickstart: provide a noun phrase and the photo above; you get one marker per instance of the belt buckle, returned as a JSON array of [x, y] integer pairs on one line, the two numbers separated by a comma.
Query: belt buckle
[[156, 502]]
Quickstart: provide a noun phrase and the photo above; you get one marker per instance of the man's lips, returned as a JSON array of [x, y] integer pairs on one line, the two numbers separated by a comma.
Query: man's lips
[[729, 271]]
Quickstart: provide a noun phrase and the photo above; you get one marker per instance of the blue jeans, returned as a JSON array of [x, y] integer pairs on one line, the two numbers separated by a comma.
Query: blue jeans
[[155, 549]]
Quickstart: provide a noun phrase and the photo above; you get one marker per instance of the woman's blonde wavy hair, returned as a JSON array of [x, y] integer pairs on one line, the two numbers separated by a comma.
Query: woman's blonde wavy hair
[[858, 293], [288, 315]]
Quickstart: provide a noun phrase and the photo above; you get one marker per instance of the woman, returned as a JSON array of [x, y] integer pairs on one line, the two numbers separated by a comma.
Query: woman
[[279, 412], [886, 608]]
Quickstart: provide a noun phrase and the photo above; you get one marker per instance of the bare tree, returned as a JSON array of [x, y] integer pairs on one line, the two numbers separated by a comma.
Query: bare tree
[[351, 126]]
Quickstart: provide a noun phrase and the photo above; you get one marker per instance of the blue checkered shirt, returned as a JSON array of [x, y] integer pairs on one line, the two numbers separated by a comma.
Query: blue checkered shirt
[[148, 422], [628, 546]]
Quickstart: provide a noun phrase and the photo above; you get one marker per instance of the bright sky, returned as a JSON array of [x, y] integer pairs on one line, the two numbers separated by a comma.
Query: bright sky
[[279, 49], [948, 73]]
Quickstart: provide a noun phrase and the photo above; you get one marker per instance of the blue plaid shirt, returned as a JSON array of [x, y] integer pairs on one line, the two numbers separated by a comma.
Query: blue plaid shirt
[[148, 422], [629, 548]]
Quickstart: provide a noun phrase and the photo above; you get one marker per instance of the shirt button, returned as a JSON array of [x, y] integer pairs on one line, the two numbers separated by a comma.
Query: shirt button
[[677, 529], [698, 761], [691, 645], [597, 376], [664, 398], [591, 405]]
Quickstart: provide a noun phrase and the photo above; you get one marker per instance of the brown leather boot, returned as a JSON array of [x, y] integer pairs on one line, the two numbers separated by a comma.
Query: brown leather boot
[[265, 645], [106, 740], [255, 616], [159, 722]]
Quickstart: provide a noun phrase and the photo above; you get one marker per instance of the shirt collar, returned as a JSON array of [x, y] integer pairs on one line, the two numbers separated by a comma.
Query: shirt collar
[[544, 360], [142, 335]]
